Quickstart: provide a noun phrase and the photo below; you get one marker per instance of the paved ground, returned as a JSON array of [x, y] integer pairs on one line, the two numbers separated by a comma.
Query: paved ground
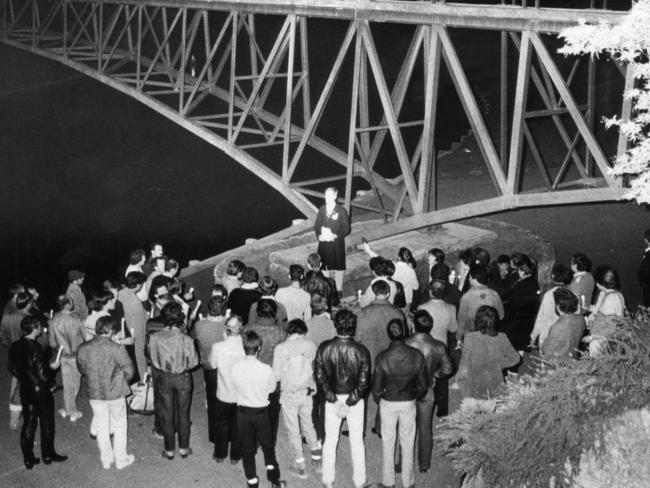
[[84, 469]]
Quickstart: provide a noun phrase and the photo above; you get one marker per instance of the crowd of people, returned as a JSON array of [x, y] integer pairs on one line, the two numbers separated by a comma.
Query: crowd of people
[[293, 353]]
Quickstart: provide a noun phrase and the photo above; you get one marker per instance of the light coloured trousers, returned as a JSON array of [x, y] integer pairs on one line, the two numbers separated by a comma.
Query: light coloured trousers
[[397, 417], [71, 378], [296, 411], [357, 448], [110, 416]]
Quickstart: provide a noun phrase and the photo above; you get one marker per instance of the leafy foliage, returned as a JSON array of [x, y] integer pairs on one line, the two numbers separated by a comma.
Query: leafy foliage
[[628, 43], [535, 434]]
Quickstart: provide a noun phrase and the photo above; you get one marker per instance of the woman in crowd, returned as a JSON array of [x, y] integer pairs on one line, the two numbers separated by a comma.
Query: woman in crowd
[[547, 315], [608, 311], [486, 353]]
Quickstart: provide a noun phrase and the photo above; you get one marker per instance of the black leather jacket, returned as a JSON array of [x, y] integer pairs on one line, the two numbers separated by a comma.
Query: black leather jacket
[[400, 374], [29, 364], [439, 365], [342, 366]]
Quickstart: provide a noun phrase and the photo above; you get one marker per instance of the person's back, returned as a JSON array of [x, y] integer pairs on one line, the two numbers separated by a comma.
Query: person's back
[[207, 332], [271, 333], [317, 283], [444, 318], [342, 365], [10, 327], [107, 367], [240, 301], [400, 371], [371, 324], [564, 336], [320, 328], [296, 301]]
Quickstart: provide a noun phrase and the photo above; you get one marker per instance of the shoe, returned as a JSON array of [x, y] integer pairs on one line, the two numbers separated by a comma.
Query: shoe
[[298, 470], [185, 452], [424, 470], [157, 434], [168, 456], [130, 459], [376, 432], [345, 433], [92, 436], [317, 465], [63, 412], [219, 460], [74, 416], [30, 463], [398, 468], [54, 458], [279, 484], [234, 462]]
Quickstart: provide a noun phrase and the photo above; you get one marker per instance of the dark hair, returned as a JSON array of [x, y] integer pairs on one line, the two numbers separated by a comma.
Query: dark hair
[[465, 256], [136, 256], [252, 342], [219, 290], [480, 256], [29, 323], [61, 301], [268, 286], [165, 297], [503, 259], [250, 275], [404, 254], [105, 324], [516, 258], [217, 306], [154, 244], [172, 315], [582, 262], [422, 321], [439, 254], [378, 265], [440, 271], [267, 308], [318, 304], [480, 273], [235, 267], [175, 286], [171, 264], [345, 323], [390, 268], [437, 289], [397, 330], [380, 287], [486, 320], [526, 265], [607, 277], [135, 278], [296, 272], [314, 261], [297, 326], [100, 298], [162, 258], [561, 274], [565, 300], [23, 299]]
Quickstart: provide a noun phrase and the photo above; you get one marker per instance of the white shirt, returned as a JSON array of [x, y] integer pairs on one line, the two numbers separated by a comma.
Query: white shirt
[[296, 301], [222, 358], [253, 382], [407, 277]]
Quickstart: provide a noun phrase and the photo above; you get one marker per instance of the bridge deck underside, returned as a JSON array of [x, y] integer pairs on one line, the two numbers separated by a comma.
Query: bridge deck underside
[[357, 97]]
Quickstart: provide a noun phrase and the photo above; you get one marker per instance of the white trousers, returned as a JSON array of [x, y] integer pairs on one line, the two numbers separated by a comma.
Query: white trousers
[[110, 416], [357, 448], [394, 416]]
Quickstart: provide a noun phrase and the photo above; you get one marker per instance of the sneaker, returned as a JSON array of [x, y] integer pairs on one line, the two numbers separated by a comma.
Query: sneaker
[[157, 435], [107, 465], [298, 469], [130, 459], [63, 412], [279, 484], [74, 416]]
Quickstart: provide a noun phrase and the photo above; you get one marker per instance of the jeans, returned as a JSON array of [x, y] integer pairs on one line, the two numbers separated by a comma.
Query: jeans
[[441, 397], [210, 377], [14, 395], [357, 448], [38, 408], [424, 423], [296, 410], [109, 416], [156, 375], [71, 378], [227, 431], [394, 414], [318, 412], [175, 394], [255, 426]]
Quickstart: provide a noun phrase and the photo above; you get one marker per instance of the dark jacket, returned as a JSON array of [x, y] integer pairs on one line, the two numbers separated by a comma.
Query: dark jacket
[[644, 271], [28, 363], [520, 304], [317, 282], [400, 374], [342, 366], [240, 301], [107, 368], [438, 362]]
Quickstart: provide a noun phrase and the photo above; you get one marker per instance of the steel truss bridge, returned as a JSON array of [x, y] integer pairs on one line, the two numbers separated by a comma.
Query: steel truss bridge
[[237, 74]]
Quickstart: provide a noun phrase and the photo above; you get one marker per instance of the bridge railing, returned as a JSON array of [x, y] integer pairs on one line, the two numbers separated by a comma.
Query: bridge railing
[[241, 75]]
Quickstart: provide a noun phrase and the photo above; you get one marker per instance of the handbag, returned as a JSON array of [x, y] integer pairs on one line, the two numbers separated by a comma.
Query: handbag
[[141, 399]]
